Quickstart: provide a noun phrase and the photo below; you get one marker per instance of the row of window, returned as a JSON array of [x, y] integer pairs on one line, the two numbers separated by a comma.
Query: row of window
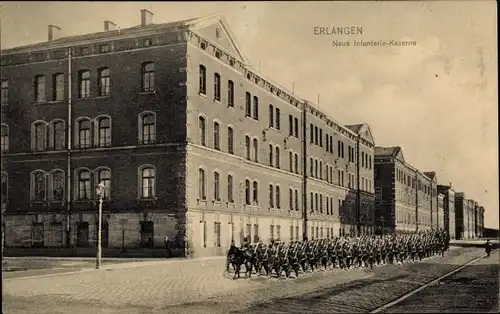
[[316, 167], [84, 84], [252, 110], [51, 186], [88, 133], [409, 218]]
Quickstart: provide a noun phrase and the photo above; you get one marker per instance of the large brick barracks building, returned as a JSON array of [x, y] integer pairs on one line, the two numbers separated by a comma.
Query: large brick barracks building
[[188, 139]]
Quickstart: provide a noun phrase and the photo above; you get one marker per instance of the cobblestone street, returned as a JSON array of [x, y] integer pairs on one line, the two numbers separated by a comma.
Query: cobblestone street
[[201, 285]]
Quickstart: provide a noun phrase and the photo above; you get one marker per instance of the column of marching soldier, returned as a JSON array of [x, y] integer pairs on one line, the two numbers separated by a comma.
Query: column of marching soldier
[[337, 252]]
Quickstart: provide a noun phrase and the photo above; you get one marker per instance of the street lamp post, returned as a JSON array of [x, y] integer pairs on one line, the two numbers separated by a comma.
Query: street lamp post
[[100, 194]]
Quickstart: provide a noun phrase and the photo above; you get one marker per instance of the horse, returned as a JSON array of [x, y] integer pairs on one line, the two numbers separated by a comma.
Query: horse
[[238, 257]]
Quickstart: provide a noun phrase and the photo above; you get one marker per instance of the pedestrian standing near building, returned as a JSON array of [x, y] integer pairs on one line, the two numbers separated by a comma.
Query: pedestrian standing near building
[[167, 247], [487, 247]]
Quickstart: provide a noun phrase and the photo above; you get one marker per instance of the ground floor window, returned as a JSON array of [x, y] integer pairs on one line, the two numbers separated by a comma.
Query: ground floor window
[[147, 234], [37, 236], [217, 234], [56, 234], [256, 233], [82, 234]]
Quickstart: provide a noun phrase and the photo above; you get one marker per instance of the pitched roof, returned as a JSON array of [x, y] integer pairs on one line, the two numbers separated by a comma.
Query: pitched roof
[[108, 34], [430, 174], [354, 127], [387, 151]]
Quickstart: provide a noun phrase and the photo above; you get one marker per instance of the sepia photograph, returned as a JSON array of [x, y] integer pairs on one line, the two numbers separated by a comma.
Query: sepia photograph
[[249, 157]]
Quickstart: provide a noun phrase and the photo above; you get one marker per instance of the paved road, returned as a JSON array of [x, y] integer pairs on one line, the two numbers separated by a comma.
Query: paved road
[[475, 289], [201, 287]]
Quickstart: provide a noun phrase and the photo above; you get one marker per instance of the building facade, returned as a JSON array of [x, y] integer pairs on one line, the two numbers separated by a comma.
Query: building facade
[[440, 209], [403, 195], [434, 215], [188, 139], [461, 218], [449, 209]]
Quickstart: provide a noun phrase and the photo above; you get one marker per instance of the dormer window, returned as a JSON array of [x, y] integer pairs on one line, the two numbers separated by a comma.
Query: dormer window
[[84, 50], [231, 62], [104, 48], [218, 54], [203, 46], [147, 42]]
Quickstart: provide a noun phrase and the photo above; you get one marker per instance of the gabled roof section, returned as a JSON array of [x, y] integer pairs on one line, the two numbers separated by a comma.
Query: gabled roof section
[[363, 130], [207, 27], [395, 152], [431, 175]]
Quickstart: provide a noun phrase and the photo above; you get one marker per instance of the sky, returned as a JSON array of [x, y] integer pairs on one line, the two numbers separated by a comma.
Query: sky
[[438, 99]]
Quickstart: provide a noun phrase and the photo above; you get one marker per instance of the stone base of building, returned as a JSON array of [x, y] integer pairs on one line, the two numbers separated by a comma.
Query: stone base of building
[[80, 230], [208, 233]]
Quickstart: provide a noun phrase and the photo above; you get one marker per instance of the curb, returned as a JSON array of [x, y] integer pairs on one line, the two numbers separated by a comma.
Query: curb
[[133, 264]]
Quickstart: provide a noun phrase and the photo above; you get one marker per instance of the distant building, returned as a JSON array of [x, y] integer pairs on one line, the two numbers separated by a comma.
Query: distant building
[[449, 209], [403, 195], [461, 208], [190, 141], [440, 209]]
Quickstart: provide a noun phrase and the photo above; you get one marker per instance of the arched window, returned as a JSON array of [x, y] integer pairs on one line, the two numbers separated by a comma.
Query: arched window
[[255, 150], [57, 185], [230, 197], [58, 136], [5, 138], [255, 107], [84, 191], [290, 199], [230, 140], [39, 136], [202, 131], [84, 133], [247, 192], [104, 132], [40, 88], [217, 86], [104, 81], [247, 147], [296, 163], [277, 117], [147, 182], [278, 197], [216, 186], [104, 177], [255, 192], [203, 80], [271, 116], [271, 196], [148, 77], [84, 84], [290, 161], [216, 136], [202, 185], [39, 185], [5, 186], [147, 128], [278, 157], [248, 105], [271, 158], [297, 200]]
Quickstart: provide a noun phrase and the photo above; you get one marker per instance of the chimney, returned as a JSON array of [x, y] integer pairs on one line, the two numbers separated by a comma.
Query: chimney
[[54, 32], [109, 26], [146, 17]]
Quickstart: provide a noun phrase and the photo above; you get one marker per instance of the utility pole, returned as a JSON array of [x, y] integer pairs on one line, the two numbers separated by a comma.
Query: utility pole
[[68, 171], [358, 191], [304, 170], [416, 200]]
